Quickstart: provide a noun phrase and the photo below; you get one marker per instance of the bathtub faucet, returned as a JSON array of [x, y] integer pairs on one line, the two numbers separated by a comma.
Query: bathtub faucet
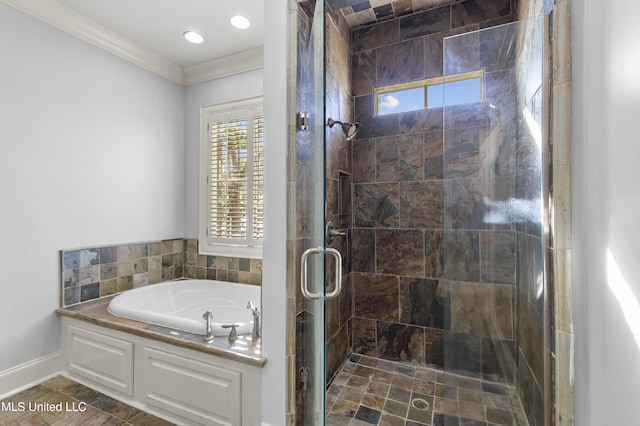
[[208, 337], [256, 318]]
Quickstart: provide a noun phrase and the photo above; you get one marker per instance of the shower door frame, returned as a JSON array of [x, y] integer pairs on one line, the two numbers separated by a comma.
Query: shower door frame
[[310, 209]]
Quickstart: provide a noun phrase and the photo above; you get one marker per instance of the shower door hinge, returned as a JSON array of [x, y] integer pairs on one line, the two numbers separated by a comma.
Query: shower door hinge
[[302, 121], [304, 377]]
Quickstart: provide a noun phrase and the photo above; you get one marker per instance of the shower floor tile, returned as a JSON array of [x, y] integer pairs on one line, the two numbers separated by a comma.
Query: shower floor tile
[[368, 391]]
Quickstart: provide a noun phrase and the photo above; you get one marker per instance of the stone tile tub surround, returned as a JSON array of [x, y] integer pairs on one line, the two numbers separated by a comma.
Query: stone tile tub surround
[[93, 272]]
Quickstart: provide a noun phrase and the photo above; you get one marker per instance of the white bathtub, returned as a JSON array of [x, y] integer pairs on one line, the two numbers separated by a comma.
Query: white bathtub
[[181, 304]]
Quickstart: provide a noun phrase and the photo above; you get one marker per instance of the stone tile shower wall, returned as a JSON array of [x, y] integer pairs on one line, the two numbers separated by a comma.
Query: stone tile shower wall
[[530, 296], [93, 272], [424, 281], [339, 106]]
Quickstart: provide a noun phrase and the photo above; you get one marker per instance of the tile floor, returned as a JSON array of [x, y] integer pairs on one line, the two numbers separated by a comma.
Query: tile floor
[[366, 391], [369, 391], [61, 402]]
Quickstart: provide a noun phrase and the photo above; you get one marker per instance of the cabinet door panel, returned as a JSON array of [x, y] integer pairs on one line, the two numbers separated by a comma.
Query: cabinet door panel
[[200, 391], [105, 360]]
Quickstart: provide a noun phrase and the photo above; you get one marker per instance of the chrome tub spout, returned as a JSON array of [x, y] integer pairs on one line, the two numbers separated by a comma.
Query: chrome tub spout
[[208, 337]]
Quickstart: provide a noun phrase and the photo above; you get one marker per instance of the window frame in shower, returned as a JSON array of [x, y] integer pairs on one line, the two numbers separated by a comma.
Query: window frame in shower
[[425, 84]]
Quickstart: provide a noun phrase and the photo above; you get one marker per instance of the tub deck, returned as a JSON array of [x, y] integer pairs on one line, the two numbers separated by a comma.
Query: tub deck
[[245, 349]]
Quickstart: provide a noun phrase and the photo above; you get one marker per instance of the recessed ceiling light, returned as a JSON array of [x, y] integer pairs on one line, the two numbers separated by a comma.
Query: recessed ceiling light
[[240, 22], [193, 37]]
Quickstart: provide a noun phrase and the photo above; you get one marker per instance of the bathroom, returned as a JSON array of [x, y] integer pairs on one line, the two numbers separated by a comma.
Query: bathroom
[[110, 196]]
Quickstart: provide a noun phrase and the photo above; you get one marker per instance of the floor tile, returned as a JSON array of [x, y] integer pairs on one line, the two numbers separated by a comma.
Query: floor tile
[[115, 408], [390, 420], [146, 419], [370, 391], [368, 415], [373, 401], [396, 408], [81, 406], [336, 420], [378, 388], [344, 408], [400, 395], [499, 417]]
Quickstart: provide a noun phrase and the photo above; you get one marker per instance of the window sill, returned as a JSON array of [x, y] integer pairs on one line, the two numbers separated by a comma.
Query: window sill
[[229, 250]]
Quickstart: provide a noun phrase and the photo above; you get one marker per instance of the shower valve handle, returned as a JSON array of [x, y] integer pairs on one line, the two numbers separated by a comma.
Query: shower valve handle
[[331, 232]]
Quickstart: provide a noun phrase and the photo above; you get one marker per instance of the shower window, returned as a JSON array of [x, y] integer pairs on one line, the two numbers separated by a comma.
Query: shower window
[[431, 93], [232, 165]]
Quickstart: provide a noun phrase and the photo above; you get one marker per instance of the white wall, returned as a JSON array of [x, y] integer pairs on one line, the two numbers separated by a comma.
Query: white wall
[[232, 88], [274, 269], [91, 153], [606, 209]]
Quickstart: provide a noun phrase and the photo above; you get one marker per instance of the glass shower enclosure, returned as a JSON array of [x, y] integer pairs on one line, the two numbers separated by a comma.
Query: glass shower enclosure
[[480, 245], [494, 164]]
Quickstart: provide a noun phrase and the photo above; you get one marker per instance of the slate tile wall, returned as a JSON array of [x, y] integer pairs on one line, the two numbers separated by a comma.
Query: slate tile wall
[[433, 280], [94, 272], [338, 172]]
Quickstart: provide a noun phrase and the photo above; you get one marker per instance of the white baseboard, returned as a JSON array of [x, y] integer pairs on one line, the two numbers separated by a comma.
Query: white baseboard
[[29, 374]]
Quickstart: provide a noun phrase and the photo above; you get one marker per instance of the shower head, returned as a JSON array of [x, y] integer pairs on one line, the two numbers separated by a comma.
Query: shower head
[[349, 129]]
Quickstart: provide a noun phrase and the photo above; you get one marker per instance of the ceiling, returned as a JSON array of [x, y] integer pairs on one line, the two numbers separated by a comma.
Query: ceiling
[[366, 12], [158, 25], [149, 33]]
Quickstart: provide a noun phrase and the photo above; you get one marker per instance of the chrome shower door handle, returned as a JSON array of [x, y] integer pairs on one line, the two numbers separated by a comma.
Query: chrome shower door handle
[[338, 288], [303, 273]]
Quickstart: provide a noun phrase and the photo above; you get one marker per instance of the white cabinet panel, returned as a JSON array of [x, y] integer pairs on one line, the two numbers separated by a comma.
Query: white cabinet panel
[[199, 391], [103, 359], [178, 384]]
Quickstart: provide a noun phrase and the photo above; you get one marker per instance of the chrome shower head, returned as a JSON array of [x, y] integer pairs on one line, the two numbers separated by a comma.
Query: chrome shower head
[[349, 129]]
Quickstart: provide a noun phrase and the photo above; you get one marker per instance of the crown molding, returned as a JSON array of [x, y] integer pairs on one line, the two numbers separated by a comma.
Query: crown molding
[[237, 63], [66, 19], [71, 22]]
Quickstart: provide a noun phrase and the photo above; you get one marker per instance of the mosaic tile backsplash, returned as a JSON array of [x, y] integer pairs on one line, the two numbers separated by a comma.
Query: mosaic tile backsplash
[[93, 272]]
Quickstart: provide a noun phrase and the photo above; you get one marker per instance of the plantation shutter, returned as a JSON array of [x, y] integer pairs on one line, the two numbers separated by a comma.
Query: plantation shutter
[[258, 177], [235, 179]]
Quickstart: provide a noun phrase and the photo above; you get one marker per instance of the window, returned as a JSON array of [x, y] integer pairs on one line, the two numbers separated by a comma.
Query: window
[[232, 170], [431, 93]]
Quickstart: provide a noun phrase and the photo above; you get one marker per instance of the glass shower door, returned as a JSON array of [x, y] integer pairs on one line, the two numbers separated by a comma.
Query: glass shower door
[[310, 215], [495, 158]]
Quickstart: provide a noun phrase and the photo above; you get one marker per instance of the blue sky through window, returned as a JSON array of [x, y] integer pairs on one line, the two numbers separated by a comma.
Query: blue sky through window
[[438, 95], [462, 92], [401, 101]]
